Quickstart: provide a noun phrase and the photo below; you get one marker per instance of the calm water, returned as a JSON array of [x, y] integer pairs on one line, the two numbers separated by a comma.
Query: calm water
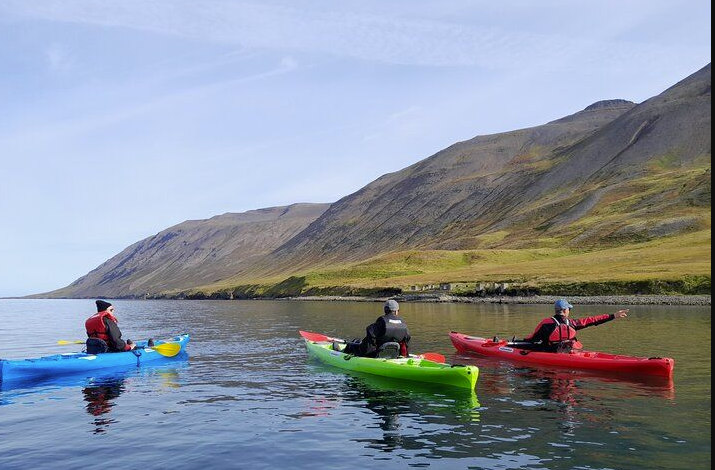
[[248, 396]]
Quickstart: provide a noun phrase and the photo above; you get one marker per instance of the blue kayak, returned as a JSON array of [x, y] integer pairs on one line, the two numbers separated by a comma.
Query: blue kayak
[[73, 363]]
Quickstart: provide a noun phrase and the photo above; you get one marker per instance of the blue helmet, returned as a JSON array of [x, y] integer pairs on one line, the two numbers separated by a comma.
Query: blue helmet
[[562, 305]]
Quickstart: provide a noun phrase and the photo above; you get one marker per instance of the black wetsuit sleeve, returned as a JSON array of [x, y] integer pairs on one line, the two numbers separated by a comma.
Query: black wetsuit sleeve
[[379, 328], [375, 331], [541, 336], [115, 343], [369, 345]]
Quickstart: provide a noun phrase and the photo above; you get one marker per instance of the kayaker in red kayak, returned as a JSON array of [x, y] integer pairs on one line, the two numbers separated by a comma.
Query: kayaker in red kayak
[[385, 332], [558, 333], [103, 334]]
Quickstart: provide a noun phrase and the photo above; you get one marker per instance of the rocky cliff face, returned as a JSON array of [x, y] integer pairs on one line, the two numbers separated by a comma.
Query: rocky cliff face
[[194, 252]]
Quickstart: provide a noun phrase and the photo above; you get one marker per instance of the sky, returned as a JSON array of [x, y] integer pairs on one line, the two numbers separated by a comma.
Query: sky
[[120, 118]]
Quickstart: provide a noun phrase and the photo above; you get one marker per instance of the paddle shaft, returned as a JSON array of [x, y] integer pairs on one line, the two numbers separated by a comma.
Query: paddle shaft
[[510, 344]]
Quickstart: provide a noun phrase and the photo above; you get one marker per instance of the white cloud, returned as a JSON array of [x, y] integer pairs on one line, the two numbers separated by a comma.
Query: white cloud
[[289, 63], [355, 34], [43, 134], [60, 60]]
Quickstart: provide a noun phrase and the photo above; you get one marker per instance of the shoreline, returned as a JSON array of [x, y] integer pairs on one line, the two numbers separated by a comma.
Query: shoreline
[[677, 300], [683, 300]]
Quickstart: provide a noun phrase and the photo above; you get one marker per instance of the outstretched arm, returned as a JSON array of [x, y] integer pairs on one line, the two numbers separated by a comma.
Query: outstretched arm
[[597, 319]]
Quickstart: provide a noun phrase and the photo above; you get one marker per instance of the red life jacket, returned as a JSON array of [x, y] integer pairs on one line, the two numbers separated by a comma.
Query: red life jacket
[[95, 326], [564, 333]]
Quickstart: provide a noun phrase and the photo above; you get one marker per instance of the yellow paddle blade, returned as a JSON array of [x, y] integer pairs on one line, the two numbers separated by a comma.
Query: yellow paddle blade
[[64, 341], [167, 349]]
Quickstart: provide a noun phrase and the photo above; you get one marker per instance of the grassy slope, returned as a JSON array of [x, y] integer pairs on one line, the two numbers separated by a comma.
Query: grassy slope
[[621, 240], [679, 258], [671, 258]]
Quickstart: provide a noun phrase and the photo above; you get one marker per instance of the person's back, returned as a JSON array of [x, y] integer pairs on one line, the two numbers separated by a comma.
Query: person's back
[[558, 333], [103, 334], [388, 328]]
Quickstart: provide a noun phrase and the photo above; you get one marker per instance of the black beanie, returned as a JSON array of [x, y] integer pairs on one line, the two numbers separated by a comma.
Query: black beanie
[[102, 305]]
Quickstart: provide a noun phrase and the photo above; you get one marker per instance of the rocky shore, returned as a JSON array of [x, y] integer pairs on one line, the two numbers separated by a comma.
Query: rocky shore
[[697, 300]]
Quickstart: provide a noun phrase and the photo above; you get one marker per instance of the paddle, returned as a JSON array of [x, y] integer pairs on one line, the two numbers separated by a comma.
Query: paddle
[[513, 344], [318, 337], [434, 357], [430, 356], [165, 349]]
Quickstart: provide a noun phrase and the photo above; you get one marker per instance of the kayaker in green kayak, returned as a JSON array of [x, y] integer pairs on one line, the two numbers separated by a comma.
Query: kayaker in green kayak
[[558, 333], [388, 331], [103, 334]]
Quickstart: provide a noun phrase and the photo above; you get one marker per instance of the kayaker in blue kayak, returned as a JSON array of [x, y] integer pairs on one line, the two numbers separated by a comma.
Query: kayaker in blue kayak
[[389, 332], [103, 334], [558, 333]]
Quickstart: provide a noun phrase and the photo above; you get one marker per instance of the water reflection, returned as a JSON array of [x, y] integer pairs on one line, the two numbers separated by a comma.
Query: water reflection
[[571, 399], [399, 409], [423, 420], [101, 397], [101, 393], [565, 385]]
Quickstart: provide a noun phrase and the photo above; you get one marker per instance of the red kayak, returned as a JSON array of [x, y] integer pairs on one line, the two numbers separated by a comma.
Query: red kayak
[[587, 360]]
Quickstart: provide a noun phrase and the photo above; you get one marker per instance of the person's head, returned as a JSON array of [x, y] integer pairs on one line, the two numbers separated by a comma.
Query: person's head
[[104, 306], [562, 307], [391, 306]]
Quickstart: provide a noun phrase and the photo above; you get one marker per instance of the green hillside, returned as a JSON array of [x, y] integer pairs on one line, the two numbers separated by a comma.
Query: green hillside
[[672, 265], [624, 240]]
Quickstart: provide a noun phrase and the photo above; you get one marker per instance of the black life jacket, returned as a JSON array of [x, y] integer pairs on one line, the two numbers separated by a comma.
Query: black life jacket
[[395, 330]]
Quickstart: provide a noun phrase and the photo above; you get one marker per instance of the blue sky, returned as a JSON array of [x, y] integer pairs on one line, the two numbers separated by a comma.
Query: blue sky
[[123, 117]]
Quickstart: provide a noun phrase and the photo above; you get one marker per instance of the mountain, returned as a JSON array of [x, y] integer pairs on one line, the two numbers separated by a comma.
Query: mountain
[[194, 252], [472, 185], [623, 181], [637, 171]]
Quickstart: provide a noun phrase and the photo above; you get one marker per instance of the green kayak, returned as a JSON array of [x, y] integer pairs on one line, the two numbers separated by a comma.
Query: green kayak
[[414, 368]]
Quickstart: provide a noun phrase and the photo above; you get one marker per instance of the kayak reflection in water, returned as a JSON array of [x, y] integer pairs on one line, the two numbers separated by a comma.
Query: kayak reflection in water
[[388, 406], [100, 400], [103, 334], [558, 333], [387, 337]]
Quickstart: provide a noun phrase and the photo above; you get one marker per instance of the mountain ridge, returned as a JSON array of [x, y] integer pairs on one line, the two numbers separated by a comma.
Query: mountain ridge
[[614, 174], [210, 248]]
